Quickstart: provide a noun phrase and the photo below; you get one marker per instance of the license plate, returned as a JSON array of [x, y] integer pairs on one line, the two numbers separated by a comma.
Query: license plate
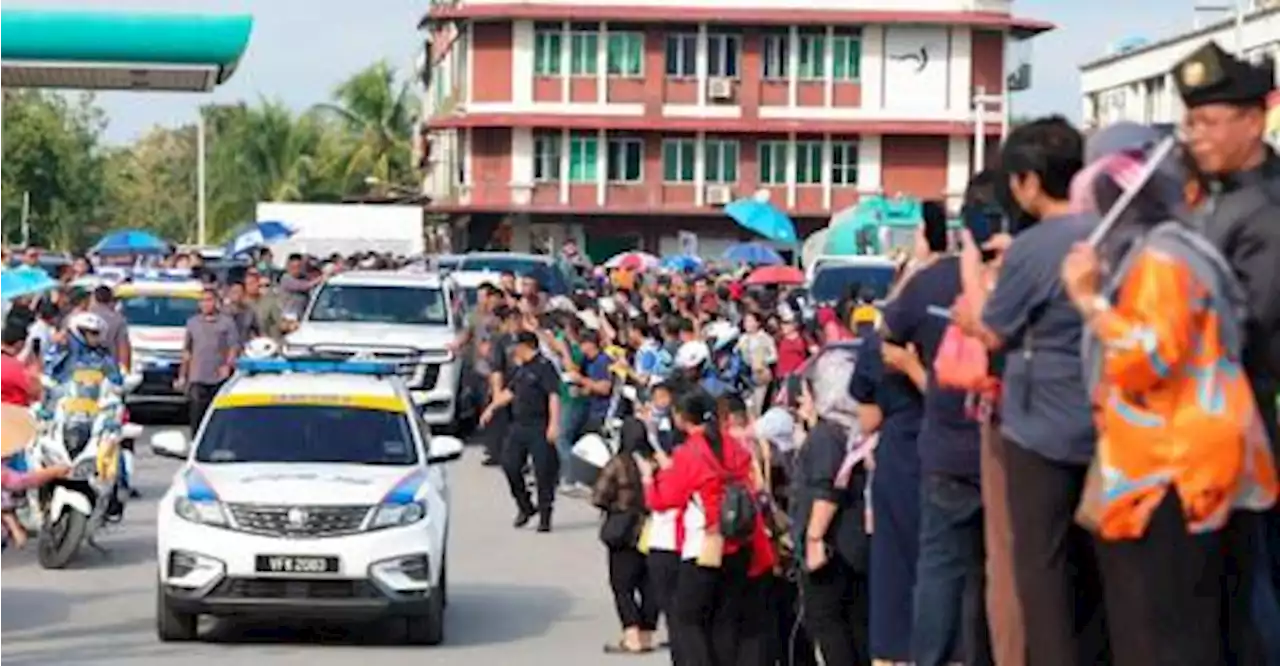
[[296, 564]]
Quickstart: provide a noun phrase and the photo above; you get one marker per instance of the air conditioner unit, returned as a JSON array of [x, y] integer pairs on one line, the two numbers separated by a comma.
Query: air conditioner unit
[[720, 89], [719, 195]]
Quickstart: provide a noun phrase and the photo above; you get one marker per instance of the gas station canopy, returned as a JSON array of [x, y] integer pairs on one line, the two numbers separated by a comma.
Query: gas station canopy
[[120, 51]]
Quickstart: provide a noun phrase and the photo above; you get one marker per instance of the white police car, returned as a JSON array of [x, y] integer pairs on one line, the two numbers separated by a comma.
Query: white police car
[[313, 489]]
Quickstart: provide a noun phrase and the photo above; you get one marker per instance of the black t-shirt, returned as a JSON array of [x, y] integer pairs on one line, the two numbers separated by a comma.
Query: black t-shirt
[[533, 384], [500, 356], [817, 466]]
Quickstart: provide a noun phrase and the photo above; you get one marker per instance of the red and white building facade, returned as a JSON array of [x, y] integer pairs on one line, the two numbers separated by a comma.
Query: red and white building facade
[[623, 122]]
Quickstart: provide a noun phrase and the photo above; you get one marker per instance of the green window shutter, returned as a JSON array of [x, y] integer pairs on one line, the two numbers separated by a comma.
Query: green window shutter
[[730, 161], [583, 47], [848, 58], [670, 161]]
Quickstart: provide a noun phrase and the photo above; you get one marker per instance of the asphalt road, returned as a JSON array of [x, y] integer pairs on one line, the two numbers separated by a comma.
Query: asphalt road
[[516, 597]]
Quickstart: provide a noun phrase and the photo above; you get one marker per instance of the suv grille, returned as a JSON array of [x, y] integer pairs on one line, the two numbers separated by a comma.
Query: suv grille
[[417, 376], [293, 588], [299, 521]]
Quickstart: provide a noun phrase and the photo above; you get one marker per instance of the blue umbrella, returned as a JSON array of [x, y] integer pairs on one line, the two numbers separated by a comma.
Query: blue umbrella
[[24, 281], [130, 241], [762, 218], [257, 234], [752, 254], [682, 263]]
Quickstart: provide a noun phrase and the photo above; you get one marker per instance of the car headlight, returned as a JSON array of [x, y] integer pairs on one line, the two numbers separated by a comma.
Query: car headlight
[[396, 515], [204, 512], [437, 356]]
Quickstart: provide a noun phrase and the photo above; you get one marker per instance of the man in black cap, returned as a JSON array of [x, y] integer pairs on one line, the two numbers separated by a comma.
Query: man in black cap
[[533, 393], [1225, 125]]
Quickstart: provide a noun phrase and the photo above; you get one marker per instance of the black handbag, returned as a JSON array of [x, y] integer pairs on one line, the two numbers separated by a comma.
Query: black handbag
[[620, 530]]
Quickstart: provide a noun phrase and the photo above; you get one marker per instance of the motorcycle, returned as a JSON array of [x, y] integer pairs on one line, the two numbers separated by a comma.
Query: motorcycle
[[82, 426]]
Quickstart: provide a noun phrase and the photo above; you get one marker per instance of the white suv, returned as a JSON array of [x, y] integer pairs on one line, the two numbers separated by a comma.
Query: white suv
[[406, 318], [312, 490]]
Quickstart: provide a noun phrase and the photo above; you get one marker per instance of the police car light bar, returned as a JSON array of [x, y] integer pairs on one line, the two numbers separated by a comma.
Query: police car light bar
[[254, 366]]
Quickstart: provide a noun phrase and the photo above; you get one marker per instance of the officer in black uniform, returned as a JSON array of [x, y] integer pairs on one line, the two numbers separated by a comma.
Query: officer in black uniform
[[533, 392], [497, 420], [1226, 100]]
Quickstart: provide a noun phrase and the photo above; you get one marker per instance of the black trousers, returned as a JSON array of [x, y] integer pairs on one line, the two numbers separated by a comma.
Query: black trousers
[[1164, 593], [632, 589], [835, 610], [1054, 564], [793, 644], [664, 576], [199, 397], [757, 632], [525, 442], [709, 605], [495, 433]]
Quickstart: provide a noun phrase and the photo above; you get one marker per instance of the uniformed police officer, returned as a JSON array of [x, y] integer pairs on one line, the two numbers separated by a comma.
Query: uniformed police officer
[[533, 392], [1225, 125]]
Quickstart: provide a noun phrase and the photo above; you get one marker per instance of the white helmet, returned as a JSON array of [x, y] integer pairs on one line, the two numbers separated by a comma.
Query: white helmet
[[261, 348], [721, 335], [692, 355], [85, 322]]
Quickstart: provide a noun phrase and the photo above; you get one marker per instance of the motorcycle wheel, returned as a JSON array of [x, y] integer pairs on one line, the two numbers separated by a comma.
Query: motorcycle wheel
[[59, 540]]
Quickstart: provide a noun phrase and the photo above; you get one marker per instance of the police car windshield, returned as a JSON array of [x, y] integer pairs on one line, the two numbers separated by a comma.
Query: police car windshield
[[163, 311], [380, 305], [307, 434], [834, 282]]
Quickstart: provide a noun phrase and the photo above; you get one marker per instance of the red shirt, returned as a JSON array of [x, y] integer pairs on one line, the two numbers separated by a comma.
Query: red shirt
[[695, 469], [792, 353], [15, 385]]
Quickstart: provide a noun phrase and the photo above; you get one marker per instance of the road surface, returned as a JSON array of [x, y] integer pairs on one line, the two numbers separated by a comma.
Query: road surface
[[516, 597]]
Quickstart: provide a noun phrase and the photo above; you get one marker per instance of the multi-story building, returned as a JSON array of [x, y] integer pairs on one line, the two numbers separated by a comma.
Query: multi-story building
[[1134, 81], [625, 122]]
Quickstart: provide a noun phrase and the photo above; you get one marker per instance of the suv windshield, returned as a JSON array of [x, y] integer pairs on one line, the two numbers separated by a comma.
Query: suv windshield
[[548, 276], [164, 311], [380, 305], [307, 434], [836, 281]]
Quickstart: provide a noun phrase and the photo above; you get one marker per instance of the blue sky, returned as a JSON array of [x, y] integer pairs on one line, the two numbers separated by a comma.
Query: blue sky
[[301, 48]]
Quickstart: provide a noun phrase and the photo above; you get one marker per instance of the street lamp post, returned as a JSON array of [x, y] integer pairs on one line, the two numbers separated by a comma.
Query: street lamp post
[[200, 180], [981, 102]]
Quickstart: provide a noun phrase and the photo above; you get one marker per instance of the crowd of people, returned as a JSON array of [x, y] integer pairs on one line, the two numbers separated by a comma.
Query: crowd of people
[[1054, 443]]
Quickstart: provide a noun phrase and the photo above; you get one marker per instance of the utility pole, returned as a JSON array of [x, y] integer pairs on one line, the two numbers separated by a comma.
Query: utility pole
[[200, 180], [26, 219]]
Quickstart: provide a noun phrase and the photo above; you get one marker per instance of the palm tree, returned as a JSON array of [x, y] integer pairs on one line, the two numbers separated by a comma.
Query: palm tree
[[379, 110]]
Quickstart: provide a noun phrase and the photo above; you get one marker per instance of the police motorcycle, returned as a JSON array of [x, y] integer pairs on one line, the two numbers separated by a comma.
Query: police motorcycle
[[81, 425]]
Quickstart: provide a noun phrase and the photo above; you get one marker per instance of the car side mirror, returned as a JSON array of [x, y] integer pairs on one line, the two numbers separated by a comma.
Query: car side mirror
[[444, 449], [171, 444]]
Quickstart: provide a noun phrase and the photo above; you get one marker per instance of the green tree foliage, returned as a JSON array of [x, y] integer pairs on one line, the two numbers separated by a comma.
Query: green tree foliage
[[51, 153], [261, 151]]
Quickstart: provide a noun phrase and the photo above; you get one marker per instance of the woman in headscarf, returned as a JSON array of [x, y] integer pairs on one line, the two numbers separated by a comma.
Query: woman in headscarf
[[827, 511], [1181, 444]]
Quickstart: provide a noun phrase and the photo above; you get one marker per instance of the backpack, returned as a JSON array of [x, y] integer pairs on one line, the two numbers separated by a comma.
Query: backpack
[[738, 507]]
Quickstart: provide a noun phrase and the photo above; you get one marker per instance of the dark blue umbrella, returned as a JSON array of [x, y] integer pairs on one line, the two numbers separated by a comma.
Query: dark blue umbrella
[[763, 218], [130, 241], [752, 254]]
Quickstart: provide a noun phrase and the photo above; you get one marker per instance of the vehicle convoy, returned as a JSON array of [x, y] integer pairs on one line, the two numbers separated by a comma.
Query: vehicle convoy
[[313, 489], [406, 318], [157, 312]]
